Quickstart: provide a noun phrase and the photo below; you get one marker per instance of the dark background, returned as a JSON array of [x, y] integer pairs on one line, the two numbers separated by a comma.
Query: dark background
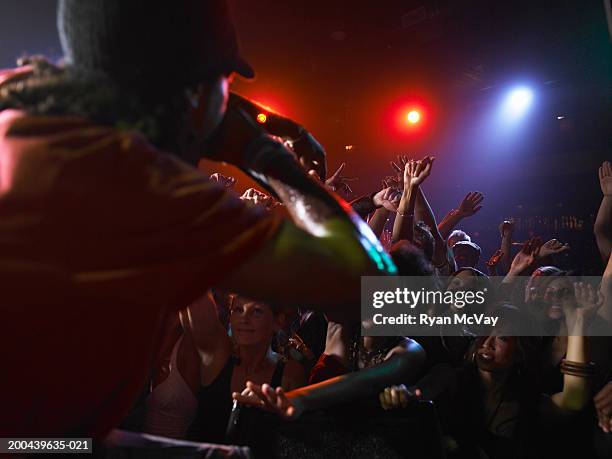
[[344, 69]]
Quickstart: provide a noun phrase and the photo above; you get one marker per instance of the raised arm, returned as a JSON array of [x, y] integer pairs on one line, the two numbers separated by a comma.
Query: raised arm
[[603, 222], [202, 326], [523, 261], [576, 367], [339, 183], [576, 389], [415, 172], [423, 212], [387, 200], [403, 227], [506, 228], [471, 204]]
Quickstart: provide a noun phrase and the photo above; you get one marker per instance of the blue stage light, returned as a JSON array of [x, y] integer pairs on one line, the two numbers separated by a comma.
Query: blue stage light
[[517, 102]]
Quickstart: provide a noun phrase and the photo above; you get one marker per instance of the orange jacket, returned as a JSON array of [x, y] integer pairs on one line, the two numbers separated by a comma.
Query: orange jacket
[[101, 236]]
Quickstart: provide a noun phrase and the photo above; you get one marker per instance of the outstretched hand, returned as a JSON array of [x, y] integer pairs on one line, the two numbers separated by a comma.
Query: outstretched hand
[[552, 247], [399, 166], [471, 204], [415, 172], [389, 198], [588, 299], [269, 399], [533, 250], [339, 183], [527, 257], [605, 178]]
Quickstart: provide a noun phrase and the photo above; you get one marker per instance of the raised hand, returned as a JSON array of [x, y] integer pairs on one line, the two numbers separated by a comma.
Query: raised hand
[[552, 247], [580, 304], [392, 181], [527, 256], [588, 299], [338, 183], [471, 204], [389, 198], [386, 239], [415, 172], [226, 181], [399, 166], [269, 399], [605, 178]]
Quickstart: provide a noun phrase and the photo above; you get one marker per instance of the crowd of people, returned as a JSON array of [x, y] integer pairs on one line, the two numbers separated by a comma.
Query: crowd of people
[[139, 293], [501, 395]]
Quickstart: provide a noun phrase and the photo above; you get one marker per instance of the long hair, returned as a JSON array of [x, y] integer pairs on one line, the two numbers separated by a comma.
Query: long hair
[[527, 359], [523, 378]]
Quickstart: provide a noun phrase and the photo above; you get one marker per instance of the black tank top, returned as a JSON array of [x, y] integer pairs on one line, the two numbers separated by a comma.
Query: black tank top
[[215, 404]]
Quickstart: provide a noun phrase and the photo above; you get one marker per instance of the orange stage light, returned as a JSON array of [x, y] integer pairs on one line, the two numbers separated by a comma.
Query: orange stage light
[[262, 118]]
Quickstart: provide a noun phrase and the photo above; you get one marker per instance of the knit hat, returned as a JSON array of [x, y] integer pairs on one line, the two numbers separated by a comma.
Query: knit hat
[[161, 43]]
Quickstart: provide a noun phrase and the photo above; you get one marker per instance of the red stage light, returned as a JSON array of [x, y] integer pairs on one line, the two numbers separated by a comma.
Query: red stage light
[[262, 118], [413, 116]]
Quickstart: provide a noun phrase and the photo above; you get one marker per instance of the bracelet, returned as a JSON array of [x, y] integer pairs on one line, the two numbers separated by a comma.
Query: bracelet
[[580, 365], [580, 369], [577, 373], [404, 215]]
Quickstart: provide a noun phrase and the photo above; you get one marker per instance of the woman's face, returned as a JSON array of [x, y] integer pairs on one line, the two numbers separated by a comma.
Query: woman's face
[[252, 323], [496, 352], [557, 293]]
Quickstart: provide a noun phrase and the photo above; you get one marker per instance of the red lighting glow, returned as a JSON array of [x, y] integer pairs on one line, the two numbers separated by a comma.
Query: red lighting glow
[[262, 118], [409, 117]]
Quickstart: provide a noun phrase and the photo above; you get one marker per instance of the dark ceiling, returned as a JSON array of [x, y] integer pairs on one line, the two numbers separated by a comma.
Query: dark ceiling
[[338, 66]]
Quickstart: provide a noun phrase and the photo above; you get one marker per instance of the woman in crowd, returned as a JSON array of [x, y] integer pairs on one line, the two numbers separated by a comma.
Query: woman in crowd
[[494, 395], [228, 361]]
